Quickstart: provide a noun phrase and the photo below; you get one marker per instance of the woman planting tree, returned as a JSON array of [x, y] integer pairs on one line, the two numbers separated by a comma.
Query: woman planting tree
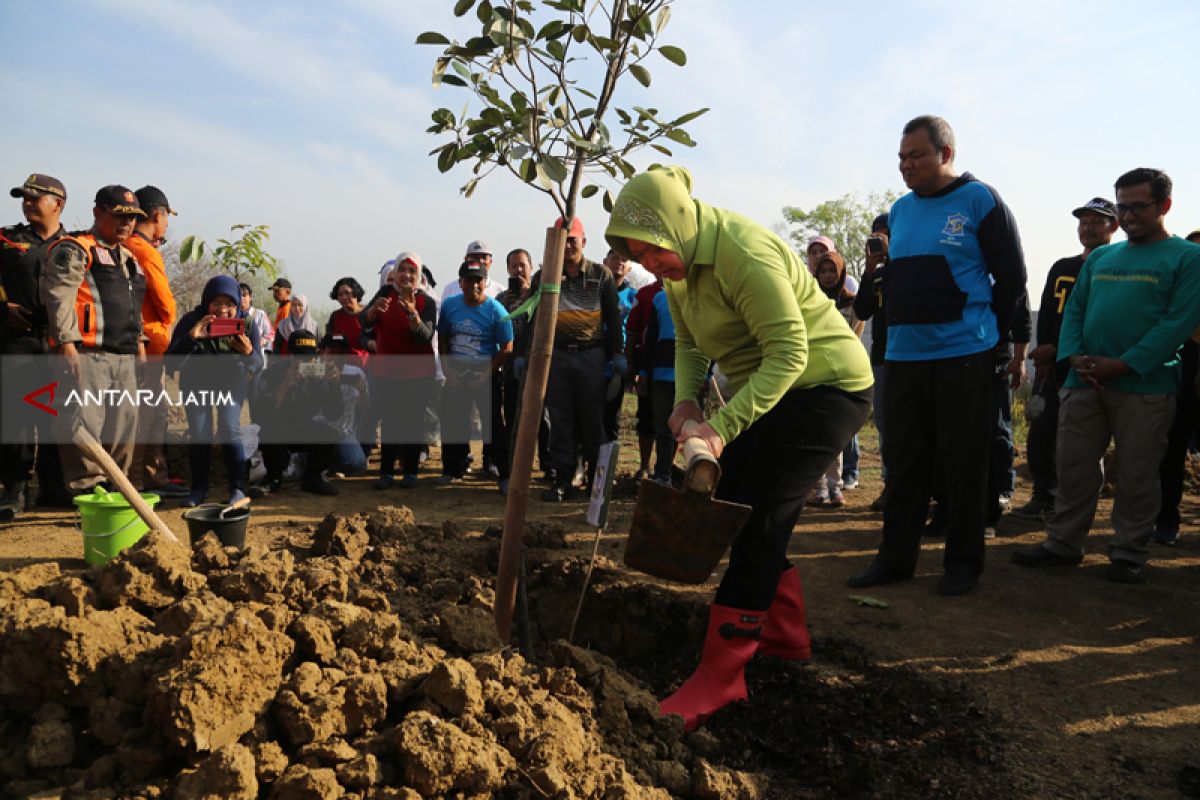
[[801, 386]]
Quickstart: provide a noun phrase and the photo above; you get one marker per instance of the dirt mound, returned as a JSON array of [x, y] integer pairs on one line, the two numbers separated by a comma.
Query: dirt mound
[[362, 665]]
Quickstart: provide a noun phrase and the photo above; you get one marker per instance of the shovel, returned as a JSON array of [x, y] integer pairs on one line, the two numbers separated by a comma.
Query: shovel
[[682, 534]]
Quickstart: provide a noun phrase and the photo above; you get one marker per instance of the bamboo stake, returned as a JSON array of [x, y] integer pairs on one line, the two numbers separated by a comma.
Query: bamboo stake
[[537, 373]]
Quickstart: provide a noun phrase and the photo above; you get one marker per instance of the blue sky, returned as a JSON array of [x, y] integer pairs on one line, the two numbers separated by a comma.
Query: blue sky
[[311, 117]]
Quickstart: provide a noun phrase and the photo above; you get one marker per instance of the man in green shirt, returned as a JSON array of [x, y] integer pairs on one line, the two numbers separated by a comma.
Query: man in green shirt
[[1134, 304]]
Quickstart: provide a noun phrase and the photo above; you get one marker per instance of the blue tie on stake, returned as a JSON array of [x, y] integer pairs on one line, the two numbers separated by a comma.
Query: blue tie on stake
[[597, 513]]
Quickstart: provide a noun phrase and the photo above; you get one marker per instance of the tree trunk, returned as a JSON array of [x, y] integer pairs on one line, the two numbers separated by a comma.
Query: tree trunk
[[537, 374]]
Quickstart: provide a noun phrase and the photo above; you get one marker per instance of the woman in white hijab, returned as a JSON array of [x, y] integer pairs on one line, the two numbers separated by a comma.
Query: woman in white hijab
[[297, 319]]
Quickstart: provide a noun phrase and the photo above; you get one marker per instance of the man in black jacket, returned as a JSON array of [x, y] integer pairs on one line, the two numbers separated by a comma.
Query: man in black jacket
[[22, 341]]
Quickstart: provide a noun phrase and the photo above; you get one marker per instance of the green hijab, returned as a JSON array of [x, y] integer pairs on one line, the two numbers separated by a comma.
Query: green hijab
[[656, 207]]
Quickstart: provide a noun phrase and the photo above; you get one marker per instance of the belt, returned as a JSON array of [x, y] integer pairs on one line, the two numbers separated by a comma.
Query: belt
[[578, 348]]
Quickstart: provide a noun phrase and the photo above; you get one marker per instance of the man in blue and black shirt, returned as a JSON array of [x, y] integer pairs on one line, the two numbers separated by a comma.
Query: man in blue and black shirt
[[955, 273]]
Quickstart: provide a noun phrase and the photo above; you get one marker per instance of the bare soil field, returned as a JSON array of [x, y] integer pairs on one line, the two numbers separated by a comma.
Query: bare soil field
[[348, 651]]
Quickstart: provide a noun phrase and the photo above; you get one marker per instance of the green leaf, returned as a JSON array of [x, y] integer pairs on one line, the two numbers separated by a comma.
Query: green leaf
[[439, 70], [554, 168], [661, 20], [869, 602], [469, 188], [688, 117], [681, 136], [661, 149], [589, 190], [484, 12], [552, 30], [673, 54], [432, 37], [543, 178], [557, 50], [446, 158], [608, 201], [580, 33], [462, 7], [527, 170], [453, 80], [640, 73], [190, 249]]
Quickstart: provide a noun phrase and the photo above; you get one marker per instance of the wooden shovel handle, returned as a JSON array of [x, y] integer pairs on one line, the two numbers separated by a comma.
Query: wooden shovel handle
[[95, 451], [702, 470], [245, 501]]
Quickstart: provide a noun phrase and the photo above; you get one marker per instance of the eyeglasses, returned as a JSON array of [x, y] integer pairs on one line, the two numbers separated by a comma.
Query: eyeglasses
[[1136, 208]]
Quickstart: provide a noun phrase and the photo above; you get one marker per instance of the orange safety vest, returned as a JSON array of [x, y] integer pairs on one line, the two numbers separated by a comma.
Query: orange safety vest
[[100, 301], [158, 306]]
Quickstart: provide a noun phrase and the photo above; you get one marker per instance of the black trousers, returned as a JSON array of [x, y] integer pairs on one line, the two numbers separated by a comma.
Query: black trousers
[[27, 430], [939, 415], [1183, 430], [1039, 444], [772, 467]]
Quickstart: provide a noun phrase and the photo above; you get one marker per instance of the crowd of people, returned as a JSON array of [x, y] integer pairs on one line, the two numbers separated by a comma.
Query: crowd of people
[[689, 296]]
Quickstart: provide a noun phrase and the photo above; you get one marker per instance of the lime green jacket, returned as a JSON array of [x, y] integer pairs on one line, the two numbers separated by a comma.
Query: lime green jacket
[[747, 303]]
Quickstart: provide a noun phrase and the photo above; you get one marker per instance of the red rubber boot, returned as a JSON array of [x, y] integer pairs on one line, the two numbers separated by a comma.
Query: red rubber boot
[[732, 638], [785, 633]]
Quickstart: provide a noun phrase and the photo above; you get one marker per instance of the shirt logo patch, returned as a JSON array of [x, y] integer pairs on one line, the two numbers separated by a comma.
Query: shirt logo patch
[[954, 225], [955, 229]]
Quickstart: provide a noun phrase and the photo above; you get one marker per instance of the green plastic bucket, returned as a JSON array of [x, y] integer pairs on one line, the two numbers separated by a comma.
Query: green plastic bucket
[[109, 524]]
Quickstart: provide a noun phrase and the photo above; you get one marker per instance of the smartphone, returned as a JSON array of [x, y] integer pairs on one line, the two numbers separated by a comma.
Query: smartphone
[[875, 246], [227, 326], [515, 285]]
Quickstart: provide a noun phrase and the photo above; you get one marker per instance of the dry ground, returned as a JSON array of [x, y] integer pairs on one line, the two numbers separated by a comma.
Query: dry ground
[[1094, 686]]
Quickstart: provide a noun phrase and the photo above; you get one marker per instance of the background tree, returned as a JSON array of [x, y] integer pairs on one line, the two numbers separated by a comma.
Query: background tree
[[846, 220], [242, 257], [526, 71]]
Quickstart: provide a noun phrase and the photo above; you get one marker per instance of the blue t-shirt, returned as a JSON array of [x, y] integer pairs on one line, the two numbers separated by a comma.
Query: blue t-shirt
[[663, 358], [954, 273], [625, 297], [474, 330]]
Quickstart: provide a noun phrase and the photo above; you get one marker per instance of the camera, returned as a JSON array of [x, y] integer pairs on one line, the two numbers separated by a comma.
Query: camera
[[311, 369], [515, 286], [223, 326], [875, 245]]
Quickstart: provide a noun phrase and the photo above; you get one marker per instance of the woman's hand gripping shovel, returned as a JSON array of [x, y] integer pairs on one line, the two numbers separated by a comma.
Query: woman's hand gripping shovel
[[682, 534]]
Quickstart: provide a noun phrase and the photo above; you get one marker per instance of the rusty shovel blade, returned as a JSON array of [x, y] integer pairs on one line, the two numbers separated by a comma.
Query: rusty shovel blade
[[680, 534]]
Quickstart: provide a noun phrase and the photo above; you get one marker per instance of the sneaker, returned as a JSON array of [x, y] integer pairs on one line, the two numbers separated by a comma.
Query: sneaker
[[196, 496], [849, 483], [641, 475], [408, 482], [445, 480], [1039, 507], [836, 500], [236, 496], [384, 482], [559, 493], [989, 532], [818, 499], [1167, 536], [1005, 500], [1122, 571], [168, 490], [502, 486], [492, 471]]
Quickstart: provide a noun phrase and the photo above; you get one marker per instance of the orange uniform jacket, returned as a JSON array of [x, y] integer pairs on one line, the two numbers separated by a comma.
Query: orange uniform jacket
[[158, 307]]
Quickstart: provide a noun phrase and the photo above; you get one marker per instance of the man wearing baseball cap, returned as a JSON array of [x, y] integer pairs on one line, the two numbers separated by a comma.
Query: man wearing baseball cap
[[92, 287], [22, 340], [1097, 224], [149, 469], [1134, 304], [281, 290], [478, 252]]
